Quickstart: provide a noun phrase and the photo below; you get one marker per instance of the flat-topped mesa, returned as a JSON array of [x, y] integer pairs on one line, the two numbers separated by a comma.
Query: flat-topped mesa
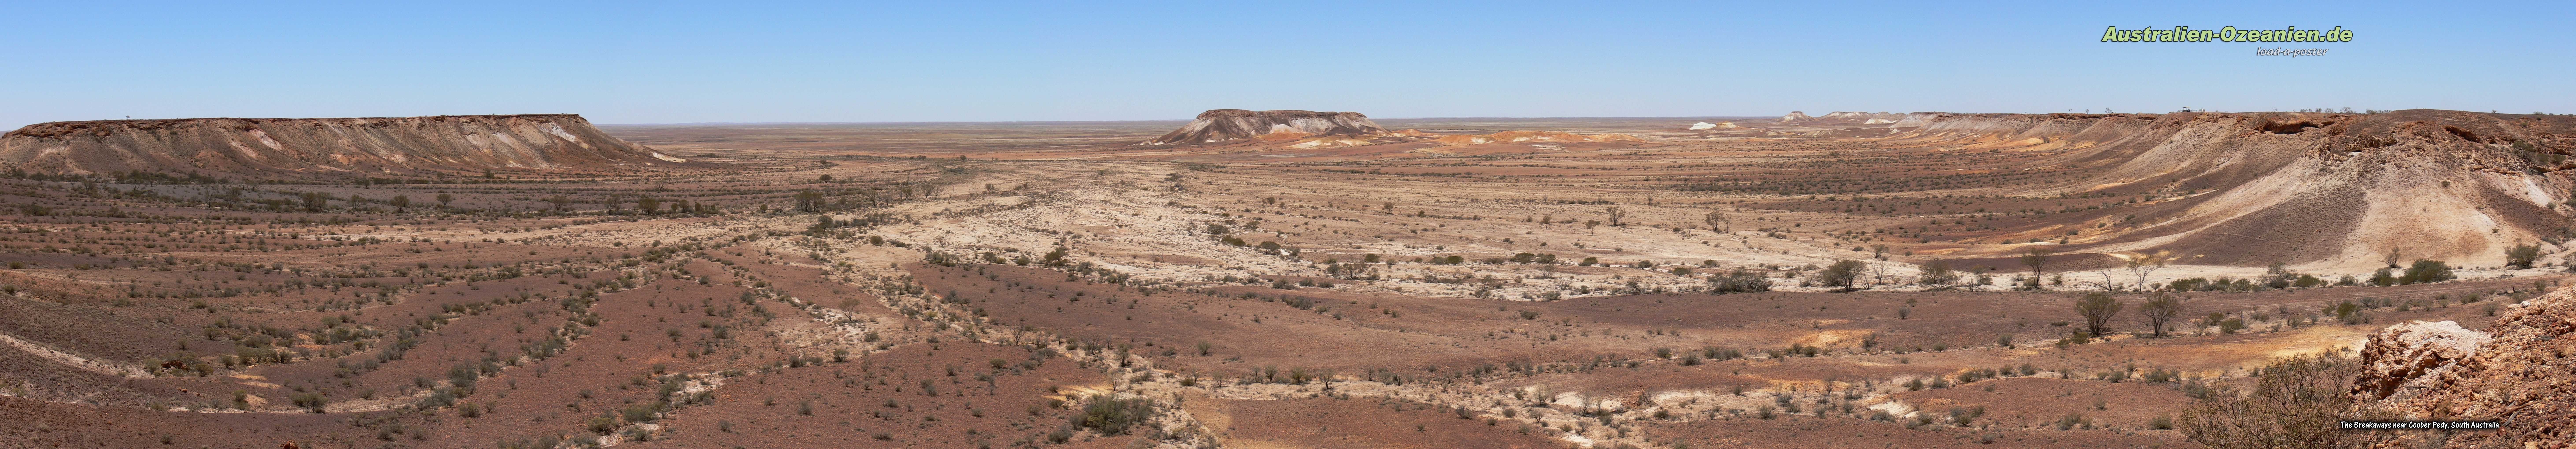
[[326, 146], [1226, 125]]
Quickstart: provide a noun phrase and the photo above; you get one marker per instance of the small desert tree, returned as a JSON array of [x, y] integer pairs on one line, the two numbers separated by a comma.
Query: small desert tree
[[399, 202], [1617, 217], [1716, 221], [1938, 272], [444, 199], [2160, 308], [2144, 265], [1840, 274], [2097, 309], [316, 201], [2522, 256], [2037, 259]]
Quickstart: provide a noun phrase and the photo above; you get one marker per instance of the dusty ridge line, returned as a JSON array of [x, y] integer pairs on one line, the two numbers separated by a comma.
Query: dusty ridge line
[[75, 360]]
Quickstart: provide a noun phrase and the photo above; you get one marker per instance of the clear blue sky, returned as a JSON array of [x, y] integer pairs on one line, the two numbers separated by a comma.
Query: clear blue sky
[[666, 62]]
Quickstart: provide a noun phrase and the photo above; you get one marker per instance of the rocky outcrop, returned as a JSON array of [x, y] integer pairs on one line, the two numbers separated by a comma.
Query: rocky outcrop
[[1796, 116], [2517, 372], [2401, 358], [1229, 125], [290, 147]]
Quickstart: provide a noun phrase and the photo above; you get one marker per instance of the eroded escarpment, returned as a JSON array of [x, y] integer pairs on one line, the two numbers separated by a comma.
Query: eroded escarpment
[[2259, 188]]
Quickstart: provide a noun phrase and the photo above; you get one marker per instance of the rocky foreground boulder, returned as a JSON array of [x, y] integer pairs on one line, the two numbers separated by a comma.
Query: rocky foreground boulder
[[2517, 371]]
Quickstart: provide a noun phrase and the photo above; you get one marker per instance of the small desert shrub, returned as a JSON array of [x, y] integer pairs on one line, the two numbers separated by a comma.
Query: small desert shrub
[[1112, 415], [311, 401], [2521, 255], [2073, 421], [2426, 271], [2293, 403], [1740, 281], [1840, 274]]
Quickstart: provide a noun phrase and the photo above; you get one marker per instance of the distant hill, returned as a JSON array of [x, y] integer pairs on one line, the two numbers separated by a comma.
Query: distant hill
[[326, 146]]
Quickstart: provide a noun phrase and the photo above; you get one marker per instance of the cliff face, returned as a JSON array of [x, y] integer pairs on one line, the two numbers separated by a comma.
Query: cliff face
[[2330, 190], [325, 146], [1227, 125], [2517, 371]]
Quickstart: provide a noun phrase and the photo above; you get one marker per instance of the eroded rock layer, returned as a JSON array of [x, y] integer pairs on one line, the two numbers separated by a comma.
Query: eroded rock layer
[[2333, 190]]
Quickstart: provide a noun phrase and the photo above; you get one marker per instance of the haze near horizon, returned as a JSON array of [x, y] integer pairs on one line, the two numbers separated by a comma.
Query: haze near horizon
[[669, 62]]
